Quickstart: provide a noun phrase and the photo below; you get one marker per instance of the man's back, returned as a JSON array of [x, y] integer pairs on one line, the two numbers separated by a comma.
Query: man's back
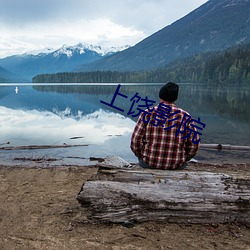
[[160, 138]]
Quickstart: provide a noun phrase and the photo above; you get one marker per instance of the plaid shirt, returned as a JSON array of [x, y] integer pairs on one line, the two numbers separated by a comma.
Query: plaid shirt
[[158, 146]]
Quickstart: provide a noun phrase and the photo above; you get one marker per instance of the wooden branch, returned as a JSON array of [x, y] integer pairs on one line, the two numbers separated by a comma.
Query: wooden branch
[[40, 147], [120, 195], [40, 159], [224, 147]]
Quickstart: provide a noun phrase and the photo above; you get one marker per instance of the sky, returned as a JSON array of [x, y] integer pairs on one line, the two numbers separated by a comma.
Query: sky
[[32, 25]]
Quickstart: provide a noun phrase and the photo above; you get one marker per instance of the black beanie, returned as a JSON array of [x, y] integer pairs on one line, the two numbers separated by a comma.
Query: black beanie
[[169, 92]]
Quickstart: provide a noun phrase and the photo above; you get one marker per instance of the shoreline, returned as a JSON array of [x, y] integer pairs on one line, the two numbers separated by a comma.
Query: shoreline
[[39, 210], [57, 157], [194, 166]]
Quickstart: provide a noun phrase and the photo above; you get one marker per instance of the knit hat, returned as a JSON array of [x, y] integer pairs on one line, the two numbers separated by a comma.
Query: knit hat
[[169, 92]]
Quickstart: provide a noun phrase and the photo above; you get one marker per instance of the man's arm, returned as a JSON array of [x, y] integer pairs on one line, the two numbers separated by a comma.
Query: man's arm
[[192, 144], [138, 136], [191, 150]]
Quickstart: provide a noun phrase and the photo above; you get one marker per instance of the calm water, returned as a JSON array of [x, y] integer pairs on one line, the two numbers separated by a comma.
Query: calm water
[[73, 114]]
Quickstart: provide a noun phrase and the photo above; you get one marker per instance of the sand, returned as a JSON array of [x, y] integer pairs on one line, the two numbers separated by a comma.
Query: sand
[[38, 210]]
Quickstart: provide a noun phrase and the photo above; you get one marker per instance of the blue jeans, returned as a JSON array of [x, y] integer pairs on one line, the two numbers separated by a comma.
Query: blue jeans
[[145, 165]]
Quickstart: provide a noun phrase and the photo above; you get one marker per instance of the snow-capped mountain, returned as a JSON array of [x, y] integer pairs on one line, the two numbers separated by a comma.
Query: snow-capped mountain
[[49, 60], [81, 48]]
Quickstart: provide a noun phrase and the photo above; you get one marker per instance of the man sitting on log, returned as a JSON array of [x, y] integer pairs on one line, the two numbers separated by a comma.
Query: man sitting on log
[[165, 136]]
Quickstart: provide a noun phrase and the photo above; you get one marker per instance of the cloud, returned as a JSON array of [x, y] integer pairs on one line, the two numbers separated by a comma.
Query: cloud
[[22, 12], [38, 36], [142, 14], [37, 23]]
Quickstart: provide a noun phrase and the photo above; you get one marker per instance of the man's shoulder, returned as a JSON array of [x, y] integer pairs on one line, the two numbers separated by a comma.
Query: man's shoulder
[[183, 111]]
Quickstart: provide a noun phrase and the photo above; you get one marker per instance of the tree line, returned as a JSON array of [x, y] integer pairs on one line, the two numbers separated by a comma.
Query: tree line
[[231, 66]]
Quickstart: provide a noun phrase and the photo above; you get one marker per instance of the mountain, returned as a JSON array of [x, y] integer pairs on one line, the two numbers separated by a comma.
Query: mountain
[[214, 26], [230, 66], [7, 76], [63, 59]]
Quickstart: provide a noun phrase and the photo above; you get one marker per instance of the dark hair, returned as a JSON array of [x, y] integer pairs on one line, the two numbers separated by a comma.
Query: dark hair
[[169, 92]]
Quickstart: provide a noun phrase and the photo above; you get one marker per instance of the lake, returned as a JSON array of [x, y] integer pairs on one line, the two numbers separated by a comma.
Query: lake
[[72, 114]]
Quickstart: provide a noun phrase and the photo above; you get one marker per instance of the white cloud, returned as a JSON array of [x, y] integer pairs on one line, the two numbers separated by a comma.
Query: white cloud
[[38, 36], [33, 24]]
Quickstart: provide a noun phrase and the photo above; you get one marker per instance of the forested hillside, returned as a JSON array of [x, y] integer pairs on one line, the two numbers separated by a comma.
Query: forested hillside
[[229, 66]]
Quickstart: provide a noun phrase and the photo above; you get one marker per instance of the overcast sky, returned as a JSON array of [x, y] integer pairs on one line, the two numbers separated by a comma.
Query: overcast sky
[[27, 25]]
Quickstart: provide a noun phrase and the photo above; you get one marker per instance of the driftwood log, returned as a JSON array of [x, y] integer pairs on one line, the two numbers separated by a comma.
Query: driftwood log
[[224, 147], [30, 147], [119, 195]]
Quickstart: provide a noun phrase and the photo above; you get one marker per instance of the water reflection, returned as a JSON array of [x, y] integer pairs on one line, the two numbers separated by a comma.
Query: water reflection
[[100, 131], [43, 127], [224, 101], [225, 111], [52, 114]]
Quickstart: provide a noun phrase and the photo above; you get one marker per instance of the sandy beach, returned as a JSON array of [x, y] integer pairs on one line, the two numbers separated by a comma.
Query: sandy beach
[[39, 210]]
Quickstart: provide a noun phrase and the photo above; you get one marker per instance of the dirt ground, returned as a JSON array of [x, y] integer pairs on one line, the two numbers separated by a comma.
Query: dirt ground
[[38, 210]]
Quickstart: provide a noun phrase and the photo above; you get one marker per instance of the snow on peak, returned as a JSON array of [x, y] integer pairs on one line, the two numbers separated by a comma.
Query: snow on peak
[[81, 48]]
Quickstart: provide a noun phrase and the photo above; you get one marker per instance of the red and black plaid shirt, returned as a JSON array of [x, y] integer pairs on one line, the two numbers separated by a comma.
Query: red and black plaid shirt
[[157, 137]]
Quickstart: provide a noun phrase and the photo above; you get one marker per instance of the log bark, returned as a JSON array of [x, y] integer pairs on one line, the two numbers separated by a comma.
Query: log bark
[[120, 195], [30, 147], [224, 147]]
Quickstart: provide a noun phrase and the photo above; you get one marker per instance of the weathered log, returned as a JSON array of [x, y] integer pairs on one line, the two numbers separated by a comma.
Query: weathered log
[[29, 147], [39, 159], [119, 195], [224, 146]]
